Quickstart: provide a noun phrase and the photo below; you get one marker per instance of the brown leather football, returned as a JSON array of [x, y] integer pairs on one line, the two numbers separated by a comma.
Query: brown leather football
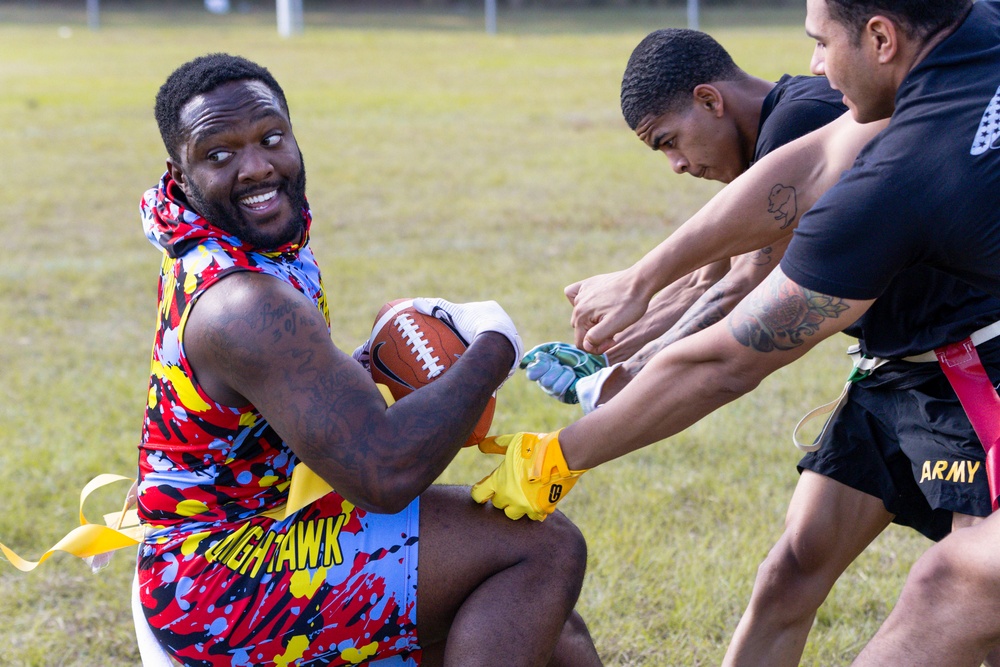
[[409, 350]]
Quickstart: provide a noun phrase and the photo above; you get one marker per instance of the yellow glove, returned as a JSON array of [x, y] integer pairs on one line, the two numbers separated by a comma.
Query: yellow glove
[[531, 479]]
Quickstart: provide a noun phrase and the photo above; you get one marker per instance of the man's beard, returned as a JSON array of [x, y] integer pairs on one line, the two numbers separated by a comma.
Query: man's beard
[[228, 216]]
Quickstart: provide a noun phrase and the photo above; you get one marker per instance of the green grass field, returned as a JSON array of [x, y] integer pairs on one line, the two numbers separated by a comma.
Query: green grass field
[[442, 161]]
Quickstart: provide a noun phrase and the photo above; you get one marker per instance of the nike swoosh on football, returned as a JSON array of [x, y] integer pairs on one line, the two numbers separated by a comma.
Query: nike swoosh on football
[[377, 362]]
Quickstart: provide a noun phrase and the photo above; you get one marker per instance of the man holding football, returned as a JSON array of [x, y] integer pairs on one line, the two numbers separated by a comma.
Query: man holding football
[[869, 470], [247, 390], [932, 71]]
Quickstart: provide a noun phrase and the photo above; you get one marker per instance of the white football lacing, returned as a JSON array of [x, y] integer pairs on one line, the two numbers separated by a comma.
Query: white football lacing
[[418, 345]]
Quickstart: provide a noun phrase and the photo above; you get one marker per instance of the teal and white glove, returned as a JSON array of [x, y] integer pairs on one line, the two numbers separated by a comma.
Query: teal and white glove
[[557, 367], [588, 389]]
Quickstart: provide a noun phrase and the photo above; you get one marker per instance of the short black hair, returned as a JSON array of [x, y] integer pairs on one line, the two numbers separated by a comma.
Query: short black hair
[[199, 76], [665, 68], [920, 19]]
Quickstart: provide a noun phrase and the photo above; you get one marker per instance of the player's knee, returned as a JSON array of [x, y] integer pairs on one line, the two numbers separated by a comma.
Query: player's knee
[[775, 576], [563, 547], [569, 538], [574, 641], [798, 556], [790, 578], [939, 571]]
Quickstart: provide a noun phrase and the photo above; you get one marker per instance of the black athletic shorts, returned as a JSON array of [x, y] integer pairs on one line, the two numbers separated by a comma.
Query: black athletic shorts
[[903, 436]]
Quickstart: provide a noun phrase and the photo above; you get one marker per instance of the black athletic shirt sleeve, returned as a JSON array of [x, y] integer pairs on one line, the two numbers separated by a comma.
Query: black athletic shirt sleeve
[[856, 238], [796, 106]]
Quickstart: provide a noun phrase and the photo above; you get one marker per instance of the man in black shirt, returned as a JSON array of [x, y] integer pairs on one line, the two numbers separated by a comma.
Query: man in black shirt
[[896, 446], [923, 192]]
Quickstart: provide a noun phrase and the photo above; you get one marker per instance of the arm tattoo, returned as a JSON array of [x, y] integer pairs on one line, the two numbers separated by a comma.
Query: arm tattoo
[[285, 318], [781, 203], [705, 312], [761, 257], [779, 314], [426, 429]]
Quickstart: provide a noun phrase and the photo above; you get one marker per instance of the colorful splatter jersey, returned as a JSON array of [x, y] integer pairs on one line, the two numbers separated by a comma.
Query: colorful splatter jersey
[[223, 583]]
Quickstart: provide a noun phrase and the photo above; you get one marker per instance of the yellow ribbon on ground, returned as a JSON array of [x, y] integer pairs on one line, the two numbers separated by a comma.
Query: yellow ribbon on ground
[[123, 528]]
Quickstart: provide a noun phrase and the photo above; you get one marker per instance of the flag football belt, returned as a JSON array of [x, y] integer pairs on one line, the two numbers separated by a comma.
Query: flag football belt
[[94, 542], [961, 365]]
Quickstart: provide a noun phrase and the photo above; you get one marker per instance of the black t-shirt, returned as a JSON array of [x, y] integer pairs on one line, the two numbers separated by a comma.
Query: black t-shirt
[[922, 309], [796, 106], [924, 193]]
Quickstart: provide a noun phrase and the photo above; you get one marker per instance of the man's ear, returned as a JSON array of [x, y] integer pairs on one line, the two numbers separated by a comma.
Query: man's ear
[[708, 97], [883, 37], [177, 174]]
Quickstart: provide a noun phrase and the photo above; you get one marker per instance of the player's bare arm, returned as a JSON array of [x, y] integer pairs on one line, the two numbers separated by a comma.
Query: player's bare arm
[[783, 317], [666, 309], [773, 326], [255, 339], [748, 271], [757, 209]]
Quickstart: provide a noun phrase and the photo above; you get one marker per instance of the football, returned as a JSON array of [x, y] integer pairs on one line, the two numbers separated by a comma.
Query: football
[[409, 350]]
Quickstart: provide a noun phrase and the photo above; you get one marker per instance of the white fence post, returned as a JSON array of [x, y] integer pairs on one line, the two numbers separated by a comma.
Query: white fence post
[[93, 14], [692, 7], [289, 17], [491, 17]]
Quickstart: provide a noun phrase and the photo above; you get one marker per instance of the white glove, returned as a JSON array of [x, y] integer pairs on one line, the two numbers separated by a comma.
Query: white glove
[[588, 389], [473, 319]]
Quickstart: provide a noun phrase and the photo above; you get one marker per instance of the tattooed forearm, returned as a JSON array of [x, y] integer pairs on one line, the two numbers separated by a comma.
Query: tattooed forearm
[[782, 204], [780, 313], [417, 439], [705, 312], [761, 257]]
